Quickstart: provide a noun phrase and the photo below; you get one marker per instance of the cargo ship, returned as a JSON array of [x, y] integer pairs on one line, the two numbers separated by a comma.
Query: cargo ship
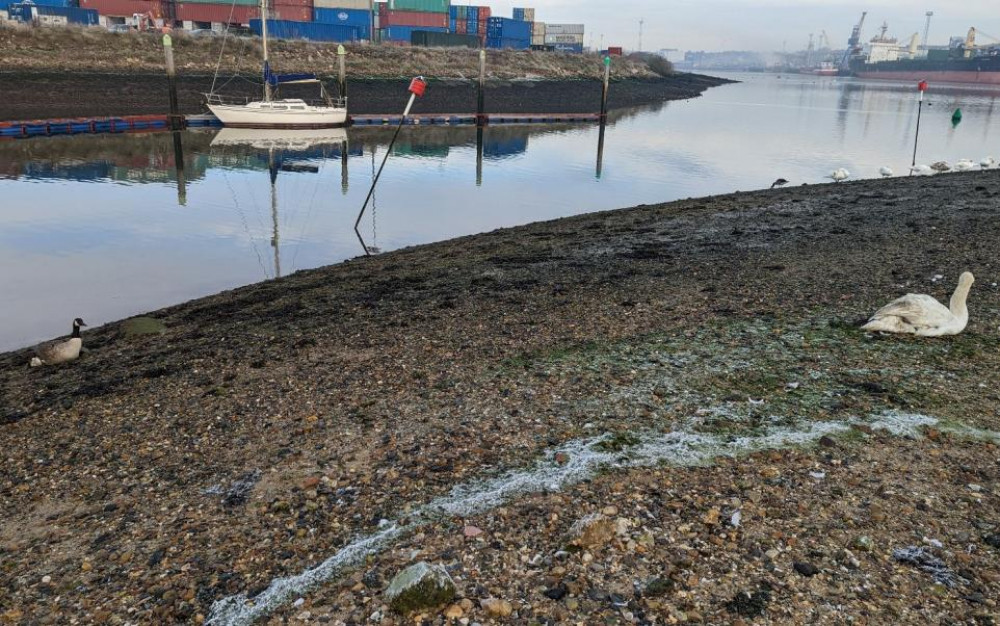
[[963, 61]]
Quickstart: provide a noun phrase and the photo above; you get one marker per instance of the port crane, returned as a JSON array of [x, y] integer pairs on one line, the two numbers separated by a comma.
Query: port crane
[[853, 44]]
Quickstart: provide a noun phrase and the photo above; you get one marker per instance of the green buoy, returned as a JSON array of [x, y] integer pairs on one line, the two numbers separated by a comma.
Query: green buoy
[[956, 117]]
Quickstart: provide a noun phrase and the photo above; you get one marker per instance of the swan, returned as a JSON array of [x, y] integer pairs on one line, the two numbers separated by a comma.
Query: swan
[[941, 166], [839, 174], [922, 170], [964, 165], [781, 182], [922, 315], [886, 171], [988, 163], [60, 350]]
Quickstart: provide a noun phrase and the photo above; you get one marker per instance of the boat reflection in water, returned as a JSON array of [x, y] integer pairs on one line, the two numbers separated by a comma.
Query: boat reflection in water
[[285, 149]]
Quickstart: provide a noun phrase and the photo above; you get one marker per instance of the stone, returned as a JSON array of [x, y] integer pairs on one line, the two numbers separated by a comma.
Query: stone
[[497, 607], [138, 326], [864, 543], [454, 612], [471, 532], [806, 569], [420, 586], [593, 531], [748, 604], [557, 592]]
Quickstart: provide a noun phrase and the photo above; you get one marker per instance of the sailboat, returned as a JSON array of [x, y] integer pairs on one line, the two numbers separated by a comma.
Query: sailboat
[[274, 112]]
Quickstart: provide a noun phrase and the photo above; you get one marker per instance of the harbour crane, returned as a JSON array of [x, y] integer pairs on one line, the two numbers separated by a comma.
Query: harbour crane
[[824, 41], [927, 28], [853, 44]]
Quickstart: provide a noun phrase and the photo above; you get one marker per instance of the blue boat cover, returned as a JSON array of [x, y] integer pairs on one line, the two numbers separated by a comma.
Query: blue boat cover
[[276, 79]]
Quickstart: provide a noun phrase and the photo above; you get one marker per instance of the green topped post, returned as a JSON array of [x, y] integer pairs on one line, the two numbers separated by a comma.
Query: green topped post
[[342, 81], [604, 93]]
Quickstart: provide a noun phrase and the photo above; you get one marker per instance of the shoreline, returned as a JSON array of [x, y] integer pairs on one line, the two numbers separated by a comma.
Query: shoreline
[[363, 390], [51, 95]]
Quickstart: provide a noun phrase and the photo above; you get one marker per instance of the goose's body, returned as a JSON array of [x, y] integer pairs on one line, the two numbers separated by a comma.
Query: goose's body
[[922, 170], [839, 174], [922, 315], [781, 182], [965, 165], [885, 171], [61, 350], [988, 163], [941, 166]]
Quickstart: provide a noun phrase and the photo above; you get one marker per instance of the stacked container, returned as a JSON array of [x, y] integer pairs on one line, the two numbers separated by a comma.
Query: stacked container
[[52, 15], [125, 8], [399, 19], [538, 34], [352, 13], [564, 37], [502, 32], [471, 20], [314, 31], [524, 15]]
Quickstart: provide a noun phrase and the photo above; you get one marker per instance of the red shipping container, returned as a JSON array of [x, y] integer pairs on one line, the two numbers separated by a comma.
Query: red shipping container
[[124, 8], [485, 14], [223, 13], [295, 14], [614, 51], [413, 18], [461, 27]]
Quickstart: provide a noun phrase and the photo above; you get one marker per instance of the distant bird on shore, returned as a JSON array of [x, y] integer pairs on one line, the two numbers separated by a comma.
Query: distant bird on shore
[[922, 315], [60, 350], [988, 163], [965, 165], [886, 171], [781, 182], [839, 174], [941, 166], [922, 170]]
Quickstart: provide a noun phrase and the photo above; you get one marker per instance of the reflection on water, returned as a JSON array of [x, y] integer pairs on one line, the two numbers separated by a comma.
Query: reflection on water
[[106, 226]]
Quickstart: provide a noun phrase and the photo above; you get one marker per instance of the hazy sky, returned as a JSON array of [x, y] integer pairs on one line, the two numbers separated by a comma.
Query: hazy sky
[[755, 24]]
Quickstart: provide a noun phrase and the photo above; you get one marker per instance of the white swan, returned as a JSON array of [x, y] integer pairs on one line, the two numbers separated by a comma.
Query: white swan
[[922, 315], [988, 163], [839, 174], [964, 165], [886, 171], [922, 170], [61, 350], [941, 166]]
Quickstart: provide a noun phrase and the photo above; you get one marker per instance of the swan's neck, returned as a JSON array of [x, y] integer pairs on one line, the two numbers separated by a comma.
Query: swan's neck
[[957, 305]]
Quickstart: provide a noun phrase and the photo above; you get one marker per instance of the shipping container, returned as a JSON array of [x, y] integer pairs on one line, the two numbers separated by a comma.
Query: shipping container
[[390, 18], [124, 8], [354, 5], [289, 13], [563, 39], [209, 13], [344, 17], [524, 15], [500, 43], [405, 33], [291, 3], [243, 3], [52, 3], [564, 29], [427, 6], [314, 31], [443, 40], [505, 28], [575, 48], [26, 12], [615, 51]]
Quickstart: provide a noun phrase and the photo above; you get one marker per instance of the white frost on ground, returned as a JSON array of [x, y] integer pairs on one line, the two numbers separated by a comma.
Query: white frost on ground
[[577, 461]]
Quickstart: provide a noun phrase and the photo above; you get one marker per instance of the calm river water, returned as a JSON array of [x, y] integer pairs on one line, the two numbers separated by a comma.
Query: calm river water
[[101, 228]]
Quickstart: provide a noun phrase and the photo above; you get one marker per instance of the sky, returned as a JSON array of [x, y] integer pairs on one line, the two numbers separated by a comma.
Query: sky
[[763, 25]]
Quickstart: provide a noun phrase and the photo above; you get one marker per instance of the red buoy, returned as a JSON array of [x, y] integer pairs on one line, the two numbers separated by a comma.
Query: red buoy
[[418, 86], [922, 85]]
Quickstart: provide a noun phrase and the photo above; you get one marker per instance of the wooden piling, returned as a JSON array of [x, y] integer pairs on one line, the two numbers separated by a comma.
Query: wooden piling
[[342, 71], [481, 119], [177, 120], [604, 92]]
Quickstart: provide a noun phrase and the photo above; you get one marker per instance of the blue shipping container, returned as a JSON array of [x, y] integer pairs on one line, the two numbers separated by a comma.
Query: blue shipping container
[[360, 19], [567, 47], [472, 27], [73, 15], [498, 43], [405, 33], [506, 28], [452, 24], [519, 15], [473, 14], [314, 31]]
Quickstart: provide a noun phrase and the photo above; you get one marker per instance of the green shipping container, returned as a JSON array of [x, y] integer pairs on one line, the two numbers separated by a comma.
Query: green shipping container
[[427, 6]]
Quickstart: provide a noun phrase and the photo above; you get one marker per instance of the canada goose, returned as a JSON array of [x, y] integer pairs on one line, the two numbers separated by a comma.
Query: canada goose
[[781, 182], [839, 174], [964, 165], [988, 163], [922, 315], [61, 350], [885, 171], [922, 170]]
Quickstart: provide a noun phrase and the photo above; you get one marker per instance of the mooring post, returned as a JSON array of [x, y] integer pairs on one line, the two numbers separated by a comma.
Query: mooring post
[[604, 93], [921, 87], [479, 156], [179, 168], [341, 66], [481, 104], [600, 151], [176, 120], [344, 180]]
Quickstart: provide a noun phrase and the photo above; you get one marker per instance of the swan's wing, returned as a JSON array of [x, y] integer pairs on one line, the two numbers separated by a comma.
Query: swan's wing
[[917, 310]]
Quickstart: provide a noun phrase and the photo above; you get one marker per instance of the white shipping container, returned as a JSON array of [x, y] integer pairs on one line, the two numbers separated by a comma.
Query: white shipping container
[[538, 40], [570, 39], [564, 29], [538, 29], [354, 5], [529, 15]]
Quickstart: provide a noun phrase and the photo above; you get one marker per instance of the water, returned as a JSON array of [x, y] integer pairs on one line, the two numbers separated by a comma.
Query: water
[[99, 227]]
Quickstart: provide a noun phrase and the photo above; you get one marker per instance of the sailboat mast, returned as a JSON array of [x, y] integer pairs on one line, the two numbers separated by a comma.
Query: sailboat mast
[[263, 36]]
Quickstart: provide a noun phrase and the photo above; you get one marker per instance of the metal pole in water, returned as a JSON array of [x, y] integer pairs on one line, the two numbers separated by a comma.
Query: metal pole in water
[[179, 166], [481, 104], [600, 150], [479, 156], [344, 182], [176, 121], [342, 71], [604, 93], [922, 87], [417, 88]]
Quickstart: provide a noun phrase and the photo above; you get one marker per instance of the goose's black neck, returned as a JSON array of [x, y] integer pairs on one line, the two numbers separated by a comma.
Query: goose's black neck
[[76, 332]]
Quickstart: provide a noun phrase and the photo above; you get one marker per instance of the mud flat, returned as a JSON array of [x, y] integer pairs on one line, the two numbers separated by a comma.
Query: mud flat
[[48, 95], [661, 414]]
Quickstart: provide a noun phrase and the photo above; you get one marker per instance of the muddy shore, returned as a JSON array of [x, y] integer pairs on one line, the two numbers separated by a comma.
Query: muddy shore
[[271, 426], [54, 95]]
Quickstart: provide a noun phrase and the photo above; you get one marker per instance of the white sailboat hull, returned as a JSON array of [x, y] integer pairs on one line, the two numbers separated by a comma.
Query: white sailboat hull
[[279, 114]]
